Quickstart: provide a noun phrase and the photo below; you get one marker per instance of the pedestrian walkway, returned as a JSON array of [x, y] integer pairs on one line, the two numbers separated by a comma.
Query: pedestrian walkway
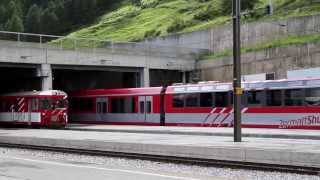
[[201, 131], [294, 152]]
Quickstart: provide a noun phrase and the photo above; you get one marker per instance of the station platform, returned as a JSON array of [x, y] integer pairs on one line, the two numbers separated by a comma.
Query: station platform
[[201, 131], [279, 151]]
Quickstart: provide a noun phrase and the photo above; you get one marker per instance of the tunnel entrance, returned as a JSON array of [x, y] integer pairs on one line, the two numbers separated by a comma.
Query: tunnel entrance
[[71, 80], [164, 77], [17, 79], [76, 79]]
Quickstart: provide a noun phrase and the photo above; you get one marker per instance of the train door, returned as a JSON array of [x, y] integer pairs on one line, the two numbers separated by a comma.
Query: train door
[[145, 107], [102, 108]]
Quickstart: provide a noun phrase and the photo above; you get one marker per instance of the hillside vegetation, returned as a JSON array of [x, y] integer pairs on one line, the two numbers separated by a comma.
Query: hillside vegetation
[[51, 16], [134, 20]]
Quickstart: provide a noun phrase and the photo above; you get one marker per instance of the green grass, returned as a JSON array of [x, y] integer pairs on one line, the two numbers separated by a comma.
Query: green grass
[[155, 17], [282, 42]]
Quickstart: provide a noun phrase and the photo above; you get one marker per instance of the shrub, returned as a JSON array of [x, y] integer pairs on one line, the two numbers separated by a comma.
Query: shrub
[[177, 25], [149, 3], [208, 12], [152, 33]]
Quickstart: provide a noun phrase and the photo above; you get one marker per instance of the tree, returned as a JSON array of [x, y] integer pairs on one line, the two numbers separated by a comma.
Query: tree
[[33, 21], [49, 22], [136, 2], [2, 15], [91, 10], [83, 11], [14, 7], [14, 24]]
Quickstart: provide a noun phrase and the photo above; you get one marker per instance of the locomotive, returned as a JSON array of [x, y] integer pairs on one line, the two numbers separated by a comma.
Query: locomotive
[[34, 108]]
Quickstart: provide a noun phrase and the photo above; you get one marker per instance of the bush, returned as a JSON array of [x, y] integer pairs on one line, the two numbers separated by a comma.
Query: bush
[[177, 25], [149, 3], [152, 33], [136, 2], [209, 12]]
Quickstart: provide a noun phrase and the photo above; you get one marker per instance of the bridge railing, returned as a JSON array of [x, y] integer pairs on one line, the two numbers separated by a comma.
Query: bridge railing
[[53, 42]]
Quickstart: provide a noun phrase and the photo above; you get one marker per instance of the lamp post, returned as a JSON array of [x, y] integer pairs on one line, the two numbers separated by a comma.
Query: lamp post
[[237, 90]]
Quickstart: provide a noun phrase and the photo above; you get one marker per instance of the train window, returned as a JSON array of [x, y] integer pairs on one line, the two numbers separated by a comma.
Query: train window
[[104, 107], [122, 105], [45, 104], [148, 106], [3, 107], [192, 100], [244, 99], [129, 105], [34, 104], [117, 105], [101, 107], [255, 98], [312, 97], [221, 99], [86, 104], [6, 107], [178, 100], [82, 104], [293, 97], [141, 104], [274, 98], [206, 100], [61, 104]]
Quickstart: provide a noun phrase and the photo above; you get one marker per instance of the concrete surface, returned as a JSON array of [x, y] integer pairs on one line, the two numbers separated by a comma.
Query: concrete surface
[[201, 131], [258, 150], [219, 38], [30, 53], [273, 60], [22, 168]]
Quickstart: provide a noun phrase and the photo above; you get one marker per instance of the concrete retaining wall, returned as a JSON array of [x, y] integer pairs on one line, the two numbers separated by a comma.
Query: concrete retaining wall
[[219, 38], [274, 60]]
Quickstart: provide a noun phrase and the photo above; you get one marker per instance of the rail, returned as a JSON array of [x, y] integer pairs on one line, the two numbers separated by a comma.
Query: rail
[[177, 160]]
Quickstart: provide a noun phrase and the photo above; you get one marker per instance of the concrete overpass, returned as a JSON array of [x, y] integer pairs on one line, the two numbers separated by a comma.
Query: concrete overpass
[[47, 53]]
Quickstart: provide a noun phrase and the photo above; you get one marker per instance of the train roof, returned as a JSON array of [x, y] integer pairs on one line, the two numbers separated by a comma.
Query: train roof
[[254, 85], [118, 92], [37, 93]]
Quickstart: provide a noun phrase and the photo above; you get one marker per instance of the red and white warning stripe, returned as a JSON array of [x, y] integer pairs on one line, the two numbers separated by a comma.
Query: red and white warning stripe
[[21, 104], [207, 117], [226, 117], [218, 115]]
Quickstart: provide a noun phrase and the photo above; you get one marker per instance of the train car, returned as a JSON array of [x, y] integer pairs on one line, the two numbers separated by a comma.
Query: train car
[[34, 108], [134, 106], [280, 104]]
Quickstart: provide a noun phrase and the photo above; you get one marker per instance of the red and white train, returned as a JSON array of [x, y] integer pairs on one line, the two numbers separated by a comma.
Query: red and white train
[[34, 108], [280, 104]]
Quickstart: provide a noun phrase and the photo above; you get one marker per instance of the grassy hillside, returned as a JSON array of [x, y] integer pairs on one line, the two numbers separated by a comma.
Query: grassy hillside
[[160, 17]]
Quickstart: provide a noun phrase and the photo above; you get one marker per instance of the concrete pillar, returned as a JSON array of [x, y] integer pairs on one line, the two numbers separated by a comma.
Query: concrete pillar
[[45, 73], [145, 77]]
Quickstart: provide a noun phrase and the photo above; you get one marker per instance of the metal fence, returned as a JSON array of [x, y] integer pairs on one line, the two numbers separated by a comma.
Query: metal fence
[[98, 46]]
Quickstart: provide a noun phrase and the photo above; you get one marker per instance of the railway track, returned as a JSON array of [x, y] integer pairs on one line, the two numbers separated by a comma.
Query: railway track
[[177, 160]]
